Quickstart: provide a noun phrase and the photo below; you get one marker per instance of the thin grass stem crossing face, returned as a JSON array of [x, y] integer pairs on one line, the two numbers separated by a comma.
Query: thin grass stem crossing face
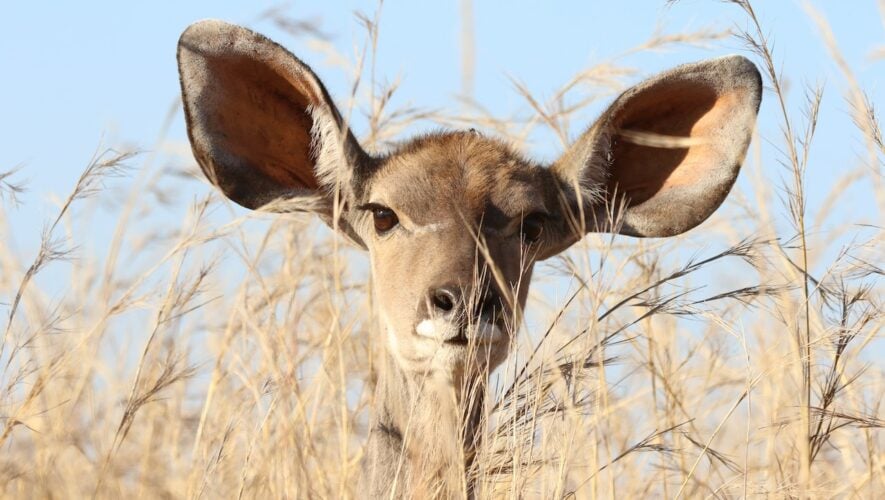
[[454, 221]]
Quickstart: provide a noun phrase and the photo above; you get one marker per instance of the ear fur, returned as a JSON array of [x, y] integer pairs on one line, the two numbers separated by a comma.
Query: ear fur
[[665, 154]]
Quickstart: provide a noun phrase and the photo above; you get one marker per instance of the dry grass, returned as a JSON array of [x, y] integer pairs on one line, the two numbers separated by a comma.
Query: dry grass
[[231, 356]]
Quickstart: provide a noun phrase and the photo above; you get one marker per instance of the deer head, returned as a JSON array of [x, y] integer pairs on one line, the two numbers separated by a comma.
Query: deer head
[[453, 222]]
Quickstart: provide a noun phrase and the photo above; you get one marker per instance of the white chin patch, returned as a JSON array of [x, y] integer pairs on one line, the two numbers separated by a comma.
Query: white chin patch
[[441, 330]]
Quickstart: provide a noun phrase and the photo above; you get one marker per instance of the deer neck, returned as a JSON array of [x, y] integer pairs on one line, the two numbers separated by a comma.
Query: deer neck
[[424, 431]]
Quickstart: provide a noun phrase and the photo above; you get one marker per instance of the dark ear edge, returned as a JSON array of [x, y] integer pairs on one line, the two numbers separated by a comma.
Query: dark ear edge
[[666, 153], [262, 126]]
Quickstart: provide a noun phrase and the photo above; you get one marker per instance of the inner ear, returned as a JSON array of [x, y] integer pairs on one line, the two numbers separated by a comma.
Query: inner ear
[[270, 127], [666, 153], [663, 139]]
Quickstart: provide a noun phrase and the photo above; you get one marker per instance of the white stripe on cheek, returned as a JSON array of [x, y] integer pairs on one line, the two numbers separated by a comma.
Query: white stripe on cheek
[[429, 228]]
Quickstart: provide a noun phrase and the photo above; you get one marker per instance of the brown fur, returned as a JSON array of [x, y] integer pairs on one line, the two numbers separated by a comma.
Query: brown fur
[[658, 162]]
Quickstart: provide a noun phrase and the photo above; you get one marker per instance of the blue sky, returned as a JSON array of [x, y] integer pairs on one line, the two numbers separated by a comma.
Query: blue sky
[[82, 73]]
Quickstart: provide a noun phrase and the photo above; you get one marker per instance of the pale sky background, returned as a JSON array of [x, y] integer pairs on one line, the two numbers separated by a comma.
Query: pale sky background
[[77, 74]]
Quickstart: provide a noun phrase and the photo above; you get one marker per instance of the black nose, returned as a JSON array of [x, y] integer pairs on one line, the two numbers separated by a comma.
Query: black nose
[[489, 304], [445, 299], [448, 301]]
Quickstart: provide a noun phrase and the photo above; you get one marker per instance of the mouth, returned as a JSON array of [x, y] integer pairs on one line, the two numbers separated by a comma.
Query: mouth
[[457, 340], [452, 335]]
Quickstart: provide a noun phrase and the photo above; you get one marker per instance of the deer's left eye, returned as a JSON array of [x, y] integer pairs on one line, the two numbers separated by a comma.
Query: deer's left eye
[[383, 218], [532, 227]]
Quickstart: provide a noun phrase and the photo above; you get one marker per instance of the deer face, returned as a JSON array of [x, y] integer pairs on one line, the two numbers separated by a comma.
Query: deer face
[[454, 222], [453, 225]]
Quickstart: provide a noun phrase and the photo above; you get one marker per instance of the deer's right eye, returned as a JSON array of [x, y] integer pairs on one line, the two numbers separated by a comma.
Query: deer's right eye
[[533, 227]]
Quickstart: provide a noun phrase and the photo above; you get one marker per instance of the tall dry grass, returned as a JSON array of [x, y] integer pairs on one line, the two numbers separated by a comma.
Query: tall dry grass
[[231, 355]]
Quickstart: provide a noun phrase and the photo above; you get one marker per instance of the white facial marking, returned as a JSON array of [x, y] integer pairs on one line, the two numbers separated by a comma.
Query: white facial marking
[[489, 332], [429, 228], [441, 330], [436, 329]]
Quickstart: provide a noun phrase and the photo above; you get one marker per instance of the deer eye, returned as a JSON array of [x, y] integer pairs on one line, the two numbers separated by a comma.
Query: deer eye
[[385, 219], [532, 227]]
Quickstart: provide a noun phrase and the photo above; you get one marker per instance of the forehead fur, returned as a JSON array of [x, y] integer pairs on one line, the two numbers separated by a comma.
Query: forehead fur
[[466, 171]]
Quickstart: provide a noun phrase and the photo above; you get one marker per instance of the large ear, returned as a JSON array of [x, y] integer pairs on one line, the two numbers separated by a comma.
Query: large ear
[[261, 124], [664, 156]]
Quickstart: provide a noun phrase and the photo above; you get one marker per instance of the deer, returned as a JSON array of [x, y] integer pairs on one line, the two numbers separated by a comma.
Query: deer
[[454, 221]]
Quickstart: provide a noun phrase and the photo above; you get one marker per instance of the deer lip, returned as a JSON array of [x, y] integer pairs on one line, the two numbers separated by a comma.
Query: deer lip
[[459, 340], [452, 336]]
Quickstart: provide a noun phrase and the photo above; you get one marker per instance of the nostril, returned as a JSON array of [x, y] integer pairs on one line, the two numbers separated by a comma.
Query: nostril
[[489, 305], [443, 299]]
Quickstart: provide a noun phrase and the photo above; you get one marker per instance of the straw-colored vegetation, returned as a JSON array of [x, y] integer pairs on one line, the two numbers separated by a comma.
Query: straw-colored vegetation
[[231, 356]]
